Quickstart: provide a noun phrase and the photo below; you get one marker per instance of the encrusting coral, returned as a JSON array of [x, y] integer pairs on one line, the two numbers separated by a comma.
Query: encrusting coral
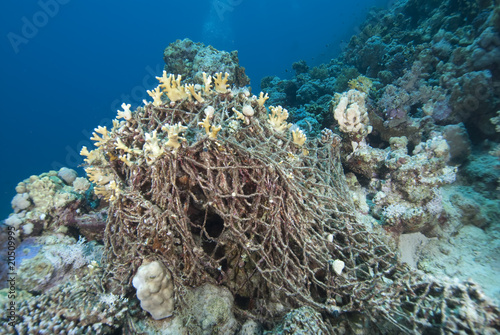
[[258, 209]]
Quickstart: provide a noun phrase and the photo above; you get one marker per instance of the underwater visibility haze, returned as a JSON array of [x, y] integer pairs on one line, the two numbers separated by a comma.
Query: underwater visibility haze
[[68, 65]]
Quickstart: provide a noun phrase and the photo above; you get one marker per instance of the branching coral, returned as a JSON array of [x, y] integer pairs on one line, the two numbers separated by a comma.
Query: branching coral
[[103, 178], [173, 132], [246, 113], [299, 137], [152, 148], [128, 153], [172, 87], [156, 94], [207, 83], [126, 113], [262, 98], [221, 82], [104, 136], [277, 119], [105, 184], [196, 95], [210, 130]]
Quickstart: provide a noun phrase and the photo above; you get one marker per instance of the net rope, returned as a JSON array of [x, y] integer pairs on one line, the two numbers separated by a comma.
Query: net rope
[[265, 217]]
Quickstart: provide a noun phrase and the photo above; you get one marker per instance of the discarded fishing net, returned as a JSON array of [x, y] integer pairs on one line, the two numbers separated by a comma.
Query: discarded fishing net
[[219, 189]]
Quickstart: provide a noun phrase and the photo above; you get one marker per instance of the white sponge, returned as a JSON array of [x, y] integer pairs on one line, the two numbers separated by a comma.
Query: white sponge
[[155, 289]]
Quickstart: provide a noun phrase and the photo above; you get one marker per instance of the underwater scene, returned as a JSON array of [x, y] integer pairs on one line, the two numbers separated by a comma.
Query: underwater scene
[[241, 167]]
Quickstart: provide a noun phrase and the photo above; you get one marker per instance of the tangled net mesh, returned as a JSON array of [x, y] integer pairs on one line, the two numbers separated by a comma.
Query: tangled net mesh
[[265, 217]]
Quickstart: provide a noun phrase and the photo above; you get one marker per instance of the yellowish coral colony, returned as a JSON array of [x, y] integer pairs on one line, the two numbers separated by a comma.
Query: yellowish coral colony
[[170, 140]]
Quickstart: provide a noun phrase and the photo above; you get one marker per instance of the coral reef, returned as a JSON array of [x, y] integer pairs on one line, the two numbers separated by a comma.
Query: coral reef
[[430, 75], [304, 320], [190, 60], [208, 311], [263, 211], [42, 202], [75, 307], [446, 69], [232, 213], [409, 196], [55, 259], [470, 251], [418, 64], [216, 180]]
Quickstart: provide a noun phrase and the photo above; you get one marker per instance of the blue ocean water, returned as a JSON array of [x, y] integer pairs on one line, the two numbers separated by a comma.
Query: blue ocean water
[[68, 65]]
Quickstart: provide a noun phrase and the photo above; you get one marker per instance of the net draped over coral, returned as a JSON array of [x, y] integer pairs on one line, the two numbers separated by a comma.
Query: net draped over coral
[[230, 197]]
